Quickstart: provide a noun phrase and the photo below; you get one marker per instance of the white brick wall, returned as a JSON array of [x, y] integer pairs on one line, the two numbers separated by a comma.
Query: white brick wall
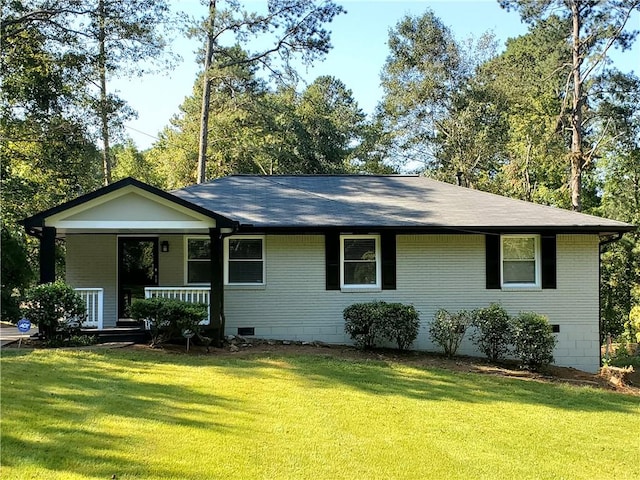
[[433, 271]]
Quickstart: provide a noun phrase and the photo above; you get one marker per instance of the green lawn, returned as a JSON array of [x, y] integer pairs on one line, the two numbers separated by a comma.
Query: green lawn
[[151, 415]]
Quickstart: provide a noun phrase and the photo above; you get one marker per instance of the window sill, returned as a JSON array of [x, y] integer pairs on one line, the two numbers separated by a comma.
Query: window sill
[[521, 288], [261, 286], [358, 289]]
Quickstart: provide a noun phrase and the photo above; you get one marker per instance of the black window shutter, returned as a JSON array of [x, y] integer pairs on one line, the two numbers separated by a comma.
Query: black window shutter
[[332, 260], [388, 253], [548, 253], [492, 243]]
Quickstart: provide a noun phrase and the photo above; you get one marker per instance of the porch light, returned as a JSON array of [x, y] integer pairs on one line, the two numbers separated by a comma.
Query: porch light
[[164, 246]]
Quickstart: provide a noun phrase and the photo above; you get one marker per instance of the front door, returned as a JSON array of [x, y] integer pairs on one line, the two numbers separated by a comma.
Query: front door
[[137, 268]]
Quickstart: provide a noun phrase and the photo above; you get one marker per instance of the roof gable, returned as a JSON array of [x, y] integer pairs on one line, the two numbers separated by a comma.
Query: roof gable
[[130, 205], [127, 204]]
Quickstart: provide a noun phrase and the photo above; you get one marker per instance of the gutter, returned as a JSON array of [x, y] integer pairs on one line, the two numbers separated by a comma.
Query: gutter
[[611, 239]]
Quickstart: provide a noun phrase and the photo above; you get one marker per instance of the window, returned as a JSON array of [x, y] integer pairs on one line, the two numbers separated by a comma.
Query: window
[[360, 261], [198, 260], [520, 260], [244, 263]]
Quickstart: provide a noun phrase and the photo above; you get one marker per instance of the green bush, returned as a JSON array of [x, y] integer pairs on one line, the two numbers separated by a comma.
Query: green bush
[[169, 318], [632, 326], [56, 308], [73, 340], [372, 322], [399, 323], [494, 331], [533, 340], [448, 329], [361, 323], [624, 359]]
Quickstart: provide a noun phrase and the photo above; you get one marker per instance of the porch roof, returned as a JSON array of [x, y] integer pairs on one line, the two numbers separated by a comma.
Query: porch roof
[[127, 206]]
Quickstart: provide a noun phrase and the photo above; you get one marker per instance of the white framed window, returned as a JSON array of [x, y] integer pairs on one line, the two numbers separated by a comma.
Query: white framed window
[[520, 261], [198, 260], [360, 265], [244, 262]]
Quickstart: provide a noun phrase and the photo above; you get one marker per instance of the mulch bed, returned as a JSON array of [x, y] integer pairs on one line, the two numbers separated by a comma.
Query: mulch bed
[[608, 379]]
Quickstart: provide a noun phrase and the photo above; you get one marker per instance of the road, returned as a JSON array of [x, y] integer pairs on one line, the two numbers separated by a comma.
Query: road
[[10, 334]]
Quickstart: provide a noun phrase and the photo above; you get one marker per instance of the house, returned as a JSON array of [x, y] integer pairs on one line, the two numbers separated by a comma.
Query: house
[[282, 256]]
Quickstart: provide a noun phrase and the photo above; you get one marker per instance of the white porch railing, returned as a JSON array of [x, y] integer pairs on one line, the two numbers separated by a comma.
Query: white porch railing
[[186, 294], [94, 301]]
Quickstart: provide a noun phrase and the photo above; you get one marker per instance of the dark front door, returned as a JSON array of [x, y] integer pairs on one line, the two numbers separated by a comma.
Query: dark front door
[[137, 268]]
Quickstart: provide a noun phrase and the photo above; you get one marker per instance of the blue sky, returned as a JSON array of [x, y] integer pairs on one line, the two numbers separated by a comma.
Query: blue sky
[[359, 51]]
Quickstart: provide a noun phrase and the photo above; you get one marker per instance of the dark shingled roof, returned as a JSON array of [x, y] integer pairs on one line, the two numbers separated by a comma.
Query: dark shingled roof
[[395, 201]]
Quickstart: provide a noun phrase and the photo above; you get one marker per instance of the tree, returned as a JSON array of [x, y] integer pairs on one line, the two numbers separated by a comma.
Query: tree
[[120, 34], [523, 85], [260, 131], [373, 155], [129, 162], [98, 39], [594, 27], [295, 27], [433, 116], [329, 126], [16, 274], [47, 155], [620, 171], [238, 134]]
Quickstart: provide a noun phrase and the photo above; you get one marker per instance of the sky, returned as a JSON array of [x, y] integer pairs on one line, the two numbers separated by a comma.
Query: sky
[[359, 40]]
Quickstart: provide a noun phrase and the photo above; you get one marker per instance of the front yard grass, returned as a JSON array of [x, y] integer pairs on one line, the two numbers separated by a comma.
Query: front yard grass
[[84, 414]]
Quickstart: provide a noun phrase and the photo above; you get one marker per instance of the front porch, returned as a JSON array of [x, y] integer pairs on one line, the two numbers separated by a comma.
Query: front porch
[[129, 240]]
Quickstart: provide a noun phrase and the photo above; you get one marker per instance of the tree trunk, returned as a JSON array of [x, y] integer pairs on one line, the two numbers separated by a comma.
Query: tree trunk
[[577, 155], [104, 116], [206, 95]]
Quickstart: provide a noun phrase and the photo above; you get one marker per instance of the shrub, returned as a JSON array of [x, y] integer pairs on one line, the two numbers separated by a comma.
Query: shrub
[[494, 331], [400, 323], [73, 340], [169, 318], [624, 359], [448, 329], [362, 323], [369, 323], [56, 308], [533, 340], [632, 326]]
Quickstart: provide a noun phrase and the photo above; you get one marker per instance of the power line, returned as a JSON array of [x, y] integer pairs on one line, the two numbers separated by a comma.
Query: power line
[[141, 132]]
